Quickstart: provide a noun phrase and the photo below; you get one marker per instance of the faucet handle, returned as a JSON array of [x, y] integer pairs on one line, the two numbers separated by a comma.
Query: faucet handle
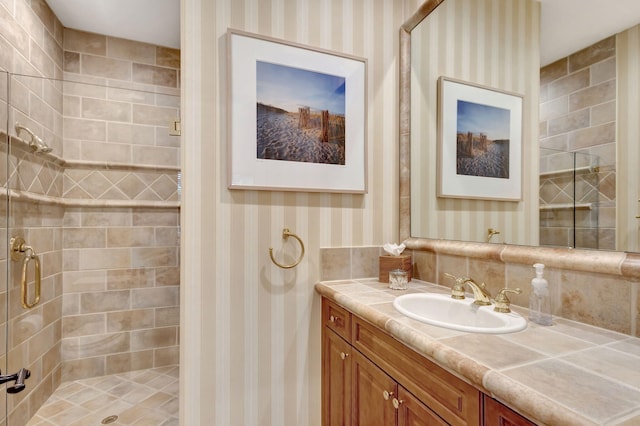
[[457, 290], [502, 301]]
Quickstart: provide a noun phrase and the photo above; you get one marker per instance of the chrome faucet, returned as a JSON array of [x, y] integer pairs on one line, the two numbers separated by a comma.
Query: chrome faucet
[[480, 293]]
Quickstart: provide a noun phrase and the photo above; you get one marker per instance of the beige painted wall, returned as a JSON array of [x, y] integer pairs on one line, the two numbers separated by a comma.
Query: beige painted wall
[[251, 341]]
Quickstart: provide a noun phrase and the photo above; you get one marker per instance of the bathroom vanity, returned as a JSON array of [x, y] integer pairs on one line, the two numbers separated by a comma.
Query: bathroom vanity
[[370, 377], [381, 368]]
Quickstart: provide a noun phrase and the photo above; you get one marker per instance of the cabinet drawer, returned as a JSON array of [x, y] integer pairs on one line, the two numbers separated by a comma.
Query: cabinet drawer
[[337, 319], [456, 401]]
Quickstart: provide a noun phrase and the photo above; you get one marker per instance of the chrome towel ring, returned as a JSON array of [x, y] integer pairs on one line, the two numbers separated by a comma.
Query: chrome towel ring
[[18, 250], [285, 235]]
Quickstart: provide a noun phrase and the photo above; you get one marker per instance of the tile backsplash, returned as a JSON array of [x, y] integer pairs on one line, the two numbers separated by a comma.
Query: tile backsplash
[[597, 288]]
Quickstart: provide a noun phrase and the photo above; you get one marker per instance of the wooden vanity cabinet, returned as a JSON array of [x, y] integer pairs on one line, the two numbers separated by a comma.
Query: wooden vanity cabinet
[[370, 379], [336, 365], [498, 414]]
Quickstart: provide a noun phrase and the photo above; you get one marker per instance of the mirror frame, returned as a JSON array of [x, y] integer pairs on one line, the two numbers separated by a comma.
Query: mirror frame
[[599, 261]]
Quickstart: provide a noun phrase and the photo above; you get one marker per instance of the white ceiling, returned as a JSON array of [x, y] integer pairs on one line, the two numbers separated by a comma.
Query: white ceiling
[[150, 21], [567, 25], [570, 25]]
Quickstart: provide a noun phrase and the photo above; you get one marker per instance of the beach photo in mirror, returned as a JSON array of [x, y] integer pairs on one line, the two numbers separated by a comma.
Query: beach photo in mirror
[[479, 142]]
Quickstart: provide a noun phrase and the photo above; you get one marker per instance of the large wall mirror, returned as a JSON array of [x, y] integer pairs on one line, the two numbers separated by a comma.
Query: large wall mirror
[[580, 179]]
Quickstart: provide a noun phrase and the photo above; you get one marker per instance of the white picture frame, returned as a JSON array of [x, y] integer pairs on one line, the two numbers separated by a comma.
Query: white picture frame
[[479, 142], [279, 137]]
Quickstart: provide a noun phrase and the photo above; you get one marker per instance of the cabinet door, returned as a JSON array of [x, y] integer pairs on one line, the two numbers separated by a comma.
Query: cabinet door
[[336, 380], [412, 412], [496, 414], [373, 393]]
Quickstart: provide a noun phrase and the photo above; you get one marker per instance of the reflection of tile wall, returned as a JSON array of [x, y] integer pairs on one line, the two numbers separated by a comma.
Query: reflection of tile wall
[[577, 114]]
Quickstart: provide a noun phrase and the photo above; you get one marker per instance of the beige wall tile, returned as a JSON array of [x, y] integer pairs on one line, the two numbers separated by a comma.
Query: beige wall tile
[[335, 263], [155, 338], [84, 325], [152, 115], [131, 50], [109, 258], [595, 53], [105, 301], [145, 217], [80, 41], [158, 76], [80, 281], [106, 217], [156, 155], [599, 302], [131, 133], [82, 368], [168, 276], [106, 110], [130, 278], [91, 346], [165, 317], [364, 262], [167, 57], [99, 151], [130, 320], [72, 62], [130, 237], [130, 361], [105, 67], [84, 129], [155, 297], [167, 356], [151, 256], [598, 135], [84, 238], [594, 95]]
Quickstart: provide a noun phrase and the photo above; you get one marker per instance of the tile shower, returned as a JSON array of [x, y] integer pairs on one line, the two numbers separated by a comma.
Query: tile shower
[[101, 210]]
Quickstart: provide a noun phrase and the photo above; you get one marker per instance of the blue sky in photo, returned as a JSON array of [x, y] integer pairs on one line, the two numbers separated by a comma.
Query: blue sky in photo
[[479, 118], [289, 88]]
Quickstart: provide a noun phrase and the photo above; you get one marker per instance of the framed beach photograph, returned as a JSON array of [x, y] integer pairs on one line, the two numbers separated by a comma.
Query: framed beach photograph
[[479, 142], [297, 117]]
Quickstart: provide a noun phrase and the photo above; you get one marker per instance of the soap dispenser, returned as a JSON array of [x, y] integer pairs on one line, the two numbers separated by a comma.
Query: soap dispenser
[[539, 301]]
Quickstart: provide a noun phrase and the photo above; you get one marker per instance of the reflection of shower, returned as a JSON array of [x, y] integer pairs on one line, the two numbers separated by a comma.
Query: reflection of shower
[[36, 144]]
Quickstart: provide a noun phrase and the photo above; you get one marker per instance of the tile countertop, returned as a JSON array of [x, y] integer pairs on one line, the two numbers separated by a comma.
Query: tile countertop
[[569, 373]]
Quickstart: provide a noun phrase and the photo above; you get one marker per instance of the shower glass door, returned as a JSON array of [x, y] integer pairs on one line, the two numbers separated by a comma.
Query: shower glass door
[[93, 177], [4, 202]]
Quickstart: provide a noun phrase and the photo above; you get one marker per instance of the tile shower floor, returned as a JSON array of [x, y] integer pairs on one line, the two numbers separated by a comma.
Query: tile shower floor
[[144, 397]]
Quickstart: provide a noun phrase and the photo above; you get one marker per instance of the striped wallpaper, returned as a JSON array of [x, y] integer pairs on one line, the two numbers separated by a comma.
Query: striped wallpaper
[[493, 43], [250, 343], [628, 134]]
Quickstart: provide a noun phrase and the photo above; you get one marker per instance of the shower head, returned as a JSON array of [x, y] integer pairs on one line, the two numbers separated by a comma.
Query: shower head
[[36, 143]]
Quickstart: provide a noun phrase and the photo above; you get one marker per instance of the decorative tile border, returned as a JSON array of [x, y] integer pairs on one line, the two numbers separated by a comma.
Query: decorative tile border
[[48, 178]]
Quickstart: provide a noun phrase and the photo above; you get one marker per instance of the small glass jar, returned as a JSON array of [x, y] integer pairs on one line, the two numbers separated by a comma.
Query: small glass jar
[[398, 279]]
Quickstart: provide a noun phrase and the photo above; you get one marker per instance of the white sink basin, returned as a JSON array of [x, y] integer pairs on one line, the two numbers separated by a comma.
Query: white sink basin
[[462, 315]]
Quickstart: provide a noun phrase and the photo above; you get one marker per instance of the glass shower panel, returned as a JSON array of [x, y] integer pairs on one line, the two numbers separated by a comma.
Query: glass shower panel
[[570, 200], [94, 182], [4, 148]]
